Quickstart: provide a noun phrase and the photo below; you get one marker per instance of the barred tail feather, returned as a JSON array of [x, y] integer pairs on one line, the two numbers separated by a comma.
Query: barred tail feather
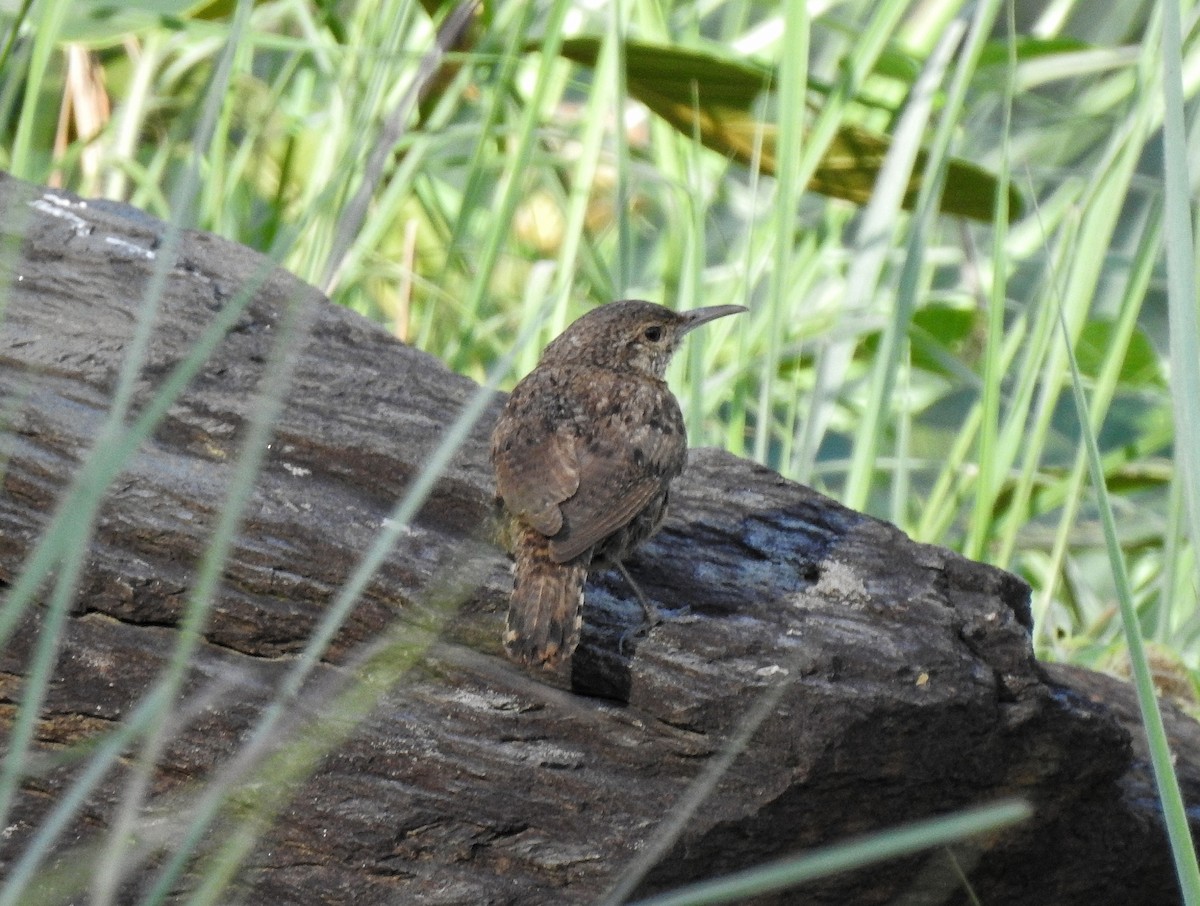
[[546, 609]]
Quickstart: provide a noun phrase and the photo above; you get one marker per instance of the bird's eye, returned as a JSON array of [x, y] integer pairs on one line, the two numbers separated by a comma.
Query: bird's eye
[[653, 334]]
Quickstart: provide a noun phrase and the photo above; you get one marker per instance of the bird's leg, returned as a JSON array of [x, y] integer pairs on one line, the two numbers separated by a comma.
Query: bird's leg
[[649, 611]]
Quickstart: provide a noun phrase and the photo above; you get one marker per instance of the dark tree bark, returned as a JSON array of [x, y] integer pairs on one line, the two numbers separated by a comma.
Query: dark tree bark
[[903, 681]]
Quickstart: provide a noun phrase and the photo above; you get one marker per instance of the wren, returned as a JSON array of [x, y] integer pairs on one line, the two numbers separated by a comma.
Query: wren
[[584, 453]]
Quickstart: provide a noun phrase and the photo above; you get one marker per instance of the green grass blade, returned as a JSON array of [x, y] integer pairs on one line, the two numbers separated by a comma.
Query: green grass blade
[[834, 357], [880, 224], [790, 180], [991, 473], [1181, 270], [867, 850], [1169, 794], [1185, 391]]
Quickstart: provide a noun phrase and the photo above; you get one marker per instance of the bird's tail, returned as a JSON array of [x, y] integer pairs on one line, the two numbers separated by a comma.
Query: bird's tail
[[546, 609]]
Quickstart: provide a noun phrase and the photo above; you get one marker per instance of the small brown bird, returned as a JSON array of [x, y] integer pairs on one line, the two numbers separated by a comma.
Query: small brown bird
[[584, 454]]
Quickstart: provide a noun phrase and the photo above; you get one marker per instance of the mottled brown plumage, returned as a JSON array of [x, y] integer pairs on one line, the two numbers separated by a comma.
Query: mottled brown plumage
[[584, 454]]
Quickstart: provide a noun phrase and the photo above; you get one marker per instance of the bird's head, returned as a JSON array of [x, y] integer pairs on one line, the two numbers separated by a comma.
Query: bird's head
[[632, 334]]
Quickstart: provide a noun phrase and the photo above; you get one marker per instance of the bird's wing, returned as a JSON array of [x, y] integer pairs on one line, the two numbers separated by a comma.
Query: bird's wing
[[622, 465], [590, 518], [536, 466]]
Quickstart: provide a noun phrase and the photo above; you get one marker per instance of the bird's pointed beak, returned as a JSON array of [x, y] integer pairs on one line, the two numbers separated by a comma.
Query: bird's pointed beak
[[697, 316]]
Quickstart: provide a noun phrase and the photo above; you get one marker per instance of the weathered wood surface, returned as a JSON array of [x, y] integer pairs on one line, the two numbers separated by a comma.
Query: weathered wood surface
[[905, 680]]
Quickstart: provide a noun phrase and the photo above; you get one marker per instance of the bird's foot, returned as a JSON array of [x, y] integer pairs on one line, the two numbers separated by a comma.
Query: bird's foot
[[650, 615], [634, 634]]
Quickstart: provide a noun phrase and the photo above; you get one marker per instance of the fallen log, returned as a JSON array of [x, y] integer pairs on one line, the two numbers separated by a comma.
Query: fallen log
[[852, 679]]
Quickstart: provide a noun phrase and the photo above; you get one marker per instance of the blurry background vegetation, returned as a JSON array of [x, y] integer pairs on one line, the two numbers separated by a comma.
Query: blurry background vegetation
[[905, 194]]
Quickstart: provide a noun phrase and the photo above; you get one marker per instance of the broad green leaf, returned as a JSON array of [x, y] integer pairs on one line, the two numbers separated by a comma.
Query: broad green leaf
[[996, 53], [943, 334], [713, 97], [681, 73], [100, 23], [1141, 366]]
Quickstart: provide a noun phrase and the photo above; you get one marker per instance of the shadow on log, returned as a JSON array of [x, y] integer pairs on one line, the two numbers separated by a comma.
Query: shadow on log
[[902, 680]]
